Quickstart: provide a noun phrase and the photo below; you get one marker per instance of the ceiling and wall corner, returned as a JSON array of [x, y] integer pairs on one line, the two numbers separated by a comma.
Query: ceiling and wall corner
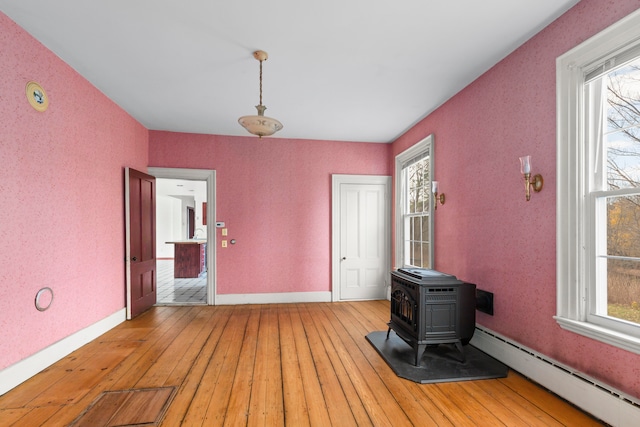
[[360, 70]]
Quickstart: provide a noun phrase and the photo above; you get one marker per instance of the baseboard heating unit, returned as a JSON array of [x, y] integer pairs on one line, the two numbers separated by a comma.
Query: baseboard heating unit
[[600, 400]]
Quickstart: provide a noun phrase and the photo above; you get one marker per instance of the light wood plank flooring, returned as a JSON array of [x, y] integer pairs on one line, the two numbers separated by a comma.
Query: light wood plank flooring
[[271, 365]]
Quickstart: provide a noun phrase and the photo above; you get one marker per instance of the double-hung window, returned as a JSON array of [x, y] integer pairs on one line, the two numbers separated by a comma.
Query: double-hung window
[[414, 220], [598, 227]]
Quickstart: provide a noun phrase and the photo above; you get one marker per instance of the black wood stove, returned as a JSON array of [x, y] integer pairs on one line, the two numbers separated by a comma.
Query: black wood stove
[[430, 308]]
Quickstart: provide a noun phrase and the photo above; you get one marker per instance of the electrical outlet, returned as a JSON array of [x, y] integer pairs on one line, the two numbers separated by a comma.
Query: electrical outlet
[[224, 231], [484, 301], [224, 243]]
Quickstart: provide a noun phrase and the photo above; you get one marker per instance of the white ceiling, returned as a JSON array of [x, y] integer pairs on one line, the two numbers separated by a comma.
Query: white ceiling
[[181, 188], [351, 70]]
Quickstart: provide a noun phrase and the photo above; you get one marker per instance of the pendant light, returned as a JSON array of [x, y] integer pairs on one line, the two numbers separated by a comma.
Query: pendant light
[[260, 125]]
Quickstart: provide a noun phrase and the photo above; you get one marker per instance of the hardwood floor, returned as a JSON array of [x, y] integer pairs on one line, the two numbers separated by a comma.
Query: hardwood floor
[[279, 364]]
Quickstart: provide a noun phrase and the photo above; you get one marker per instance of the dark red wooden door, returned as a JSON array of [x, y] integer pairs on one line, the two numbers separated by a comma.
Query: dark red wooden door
[[141, 253]]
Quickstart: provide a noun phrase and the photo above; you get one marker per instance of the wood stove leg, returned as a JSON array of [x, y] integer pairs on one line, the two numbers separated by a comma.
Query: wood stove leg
[[461, 350], [388, 332], [419, 352]]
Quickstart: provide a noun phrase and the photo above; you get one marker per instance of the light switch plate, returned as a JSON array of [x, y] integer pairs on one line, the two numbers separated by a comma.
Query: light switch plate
[[224, 243]]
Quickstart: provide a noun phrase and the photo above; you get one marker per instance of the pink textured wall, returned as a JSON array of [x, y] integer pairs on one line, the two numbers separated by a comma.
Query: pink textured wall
[[61, 216], [274, 196], [487, 233]]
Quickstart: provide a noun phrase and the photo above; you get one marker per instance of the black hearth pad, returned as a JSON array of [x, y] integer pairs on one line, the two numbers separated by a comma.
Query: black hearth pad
[[440, 363]]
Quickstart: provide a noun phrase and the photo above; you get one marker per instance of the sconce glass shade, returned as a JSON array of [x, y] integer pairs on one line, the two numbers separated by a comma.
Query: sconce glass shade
[[536, 181], [260, 125], [525, 164], [436, 197]]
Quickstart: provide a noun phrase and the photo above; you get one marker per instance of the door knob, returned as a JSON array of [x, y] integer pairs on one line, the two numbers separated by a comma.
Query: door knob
[[134, 258]]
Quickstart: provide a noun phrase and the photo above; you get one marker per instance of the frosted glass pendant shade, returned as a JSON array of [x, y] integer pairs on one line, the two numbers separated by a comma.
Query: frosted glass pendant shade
[[260, 125]]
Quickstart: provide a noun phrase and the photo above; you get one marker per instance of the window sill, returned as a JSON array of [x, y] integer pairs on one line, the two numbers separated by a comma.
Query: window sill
[[599, 333]]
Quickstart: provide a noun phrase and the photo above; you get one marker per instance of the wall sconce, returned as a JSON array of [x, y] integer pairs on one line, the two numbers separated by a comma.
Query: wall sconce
[[536, 181], [436, 198]]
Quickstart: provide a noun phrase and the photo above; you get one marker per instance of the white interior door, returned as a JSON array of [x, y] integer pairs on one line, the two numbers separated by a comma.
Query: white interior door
[[362, 229]]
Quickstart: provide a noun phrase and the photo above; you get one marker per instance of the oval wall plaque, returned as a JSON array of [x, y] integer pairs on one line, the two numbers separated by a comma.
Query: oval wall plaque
[[37, 97]]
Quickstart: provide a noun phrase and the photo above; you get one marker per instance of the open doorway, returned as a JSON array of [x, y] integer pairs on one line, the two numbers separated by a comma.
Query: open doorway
[[185, 235]]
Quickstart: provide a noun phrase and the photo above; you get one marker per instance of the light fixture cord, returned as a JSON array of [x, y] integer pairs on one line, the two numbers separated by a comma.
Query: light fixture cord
[[260, 82]]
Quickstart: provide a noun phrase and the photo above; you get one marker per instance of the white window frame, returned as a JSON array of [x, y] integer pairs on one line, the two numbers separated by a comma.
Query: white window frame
[[400, 198], [574, 233]]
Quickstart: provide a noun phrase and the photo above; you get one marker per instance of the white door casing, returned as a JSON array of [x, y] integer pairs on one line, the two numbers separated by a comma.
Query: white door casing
[[361, 237]]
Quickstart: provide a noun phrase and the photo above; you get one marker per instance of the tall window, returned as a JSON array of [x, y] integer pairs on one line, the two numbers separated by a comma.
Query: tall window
[[599, 186], [414, 221], [613, 97]]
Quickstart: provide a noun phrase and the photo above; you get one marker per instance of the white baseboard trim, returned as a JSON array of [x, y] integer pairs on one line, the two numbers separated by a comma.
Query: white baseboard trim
[[275, 298], [600, 400], [21, 371]]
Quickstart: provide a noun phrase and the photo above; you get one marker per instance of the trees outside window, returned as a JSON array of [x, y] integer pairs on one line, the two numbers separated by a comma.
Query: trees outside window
[[418, 213], [622, 162]]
